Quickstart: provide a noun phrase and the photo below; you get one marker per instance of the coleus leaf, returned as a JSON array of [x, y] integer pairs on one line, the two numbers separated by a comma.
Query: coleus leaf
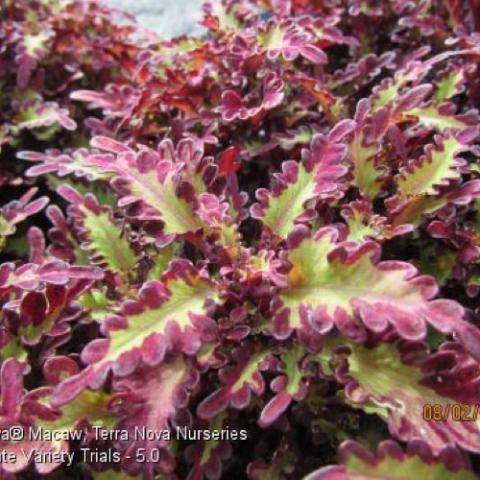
[[96, 304], [64, 244], [169, 314], [414, 210], [11, 346], [290, 41], [442, 117], [412, 98], [153, 178], [114, 100], [439, 166], [41, 115], [367, 150], [235, 107], [217, 220], [392, 463], [11, 375], [152, 398], [161, 260], [46, 312], [267, 59], [208, 456], [362, 152], [325, 30], [333, 284], [402, 390], [63, 164], [35, 410], [413, 71], [300, 183], [29, 276], [362, 223], [16, 211], [291, 138], [102, 236], [387, 91], [90, 407], [450, 84], [287, 387], [220, 17], [102, 192], [238, 380]]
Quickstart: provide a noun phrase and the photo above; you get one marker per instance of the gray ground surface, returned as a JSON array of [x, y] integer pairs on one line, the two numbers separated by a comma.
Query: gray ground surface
[[168, 18]]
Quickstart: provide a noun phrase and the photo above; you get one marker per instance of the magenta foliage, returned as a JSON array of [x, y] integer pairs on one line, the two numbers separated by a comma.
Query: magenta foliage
[[241, 254]]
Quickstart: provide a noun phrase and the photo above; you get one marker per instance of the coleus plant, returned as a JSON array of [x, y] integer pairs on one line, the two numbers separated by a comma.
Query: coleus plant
[[46, 54], [266, 238]]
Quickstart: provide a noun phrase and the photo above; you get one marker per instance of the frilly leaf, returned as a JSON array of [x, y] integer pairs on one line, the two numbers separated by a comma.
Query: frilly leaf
[[39, 115], [442, 117], [17, 211], [96, 304], [362, 153], [42, 312], [11, 347], [161, 260], [220, 17], [103, 237], [450, 84], [389, 90], [290, 41], [438, 167], [207, 456], [151, 398], [415, 208], [219, 223], [88, 406], [55, 161], [363, 223], [299, 183], [392, 463], [235, 107], [239, 381], [30, 276], [402, 391], [117, 100], [287, 387], [153, 178], [330, 284], [169, 314], [34, 409]]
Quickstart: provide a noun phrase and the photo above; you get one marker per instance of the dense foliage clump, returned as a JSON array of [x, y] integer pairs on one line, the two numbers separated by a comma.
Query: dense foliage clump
[[260, 248]]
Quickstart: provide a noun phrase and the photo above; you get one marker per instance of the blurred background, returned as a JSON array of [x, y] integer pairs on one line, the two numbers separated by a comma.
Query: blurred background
[[168, 18]]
